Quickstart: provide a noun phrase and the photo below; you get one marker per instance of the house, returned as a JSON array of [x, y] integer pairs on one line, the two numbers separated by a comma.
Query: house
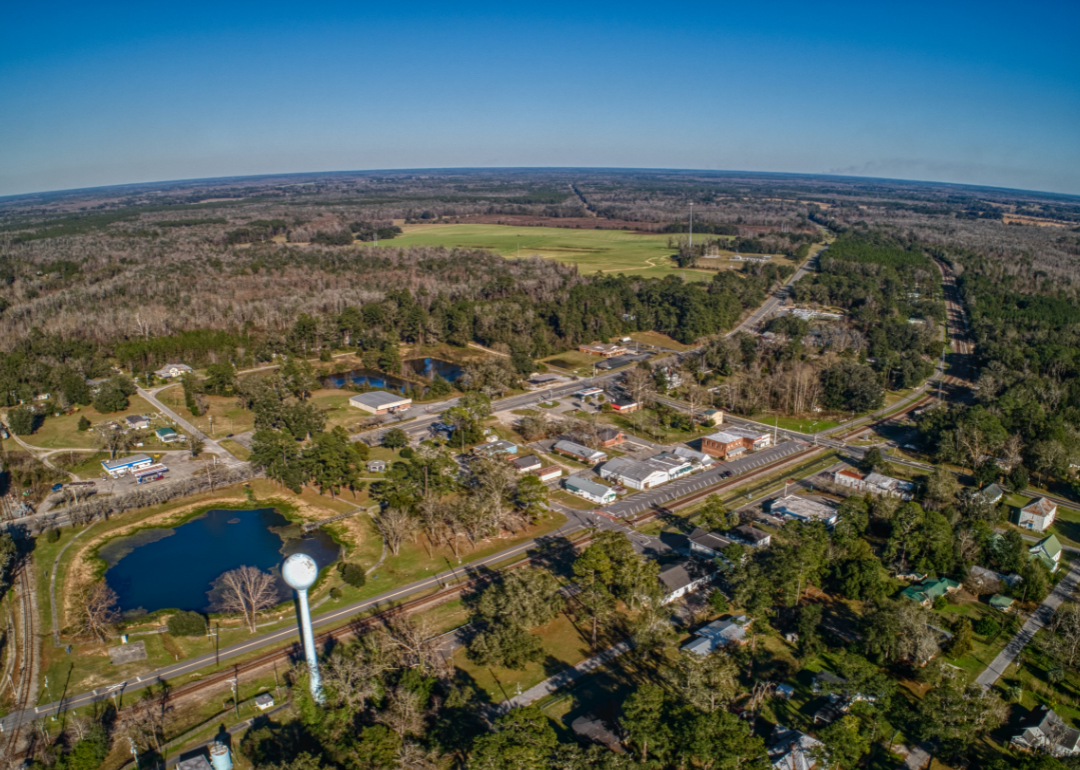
[[529, 464], [578, 452], [992, 494], [707, 544], [610, 437], [930, 590], [380, 402], [376, 466], [632, 473], [791, 749], [698, 458], [1038, 514], [683, 577], [500, 447], [719, 633], [264, 701], [1047, 551], [748, 534], [624, 405], [784, 691], [136, 422], [590, 490], [713, 417], [548, 473], [603, 349], [875, 484], [723, 445], [167, 435], [1003, 603], [1045, 730], [169, 371], [981, 580], [804, 509], [125, 465]]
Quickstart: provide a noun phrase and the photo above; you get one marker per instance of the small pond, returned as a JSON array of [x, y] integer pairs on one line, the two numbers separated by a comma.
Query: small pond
[[367, 377], [429, 367], [176, 568]]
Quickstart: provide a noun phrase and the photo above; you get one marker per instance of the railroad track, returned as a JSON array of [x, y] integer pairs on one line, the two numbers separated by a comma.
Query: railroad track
[[23, 691]]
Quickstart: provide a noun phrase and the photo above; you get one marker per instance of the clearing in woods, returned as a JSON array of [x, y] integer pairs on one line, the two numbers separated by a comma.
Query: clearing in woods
[[608, 251]]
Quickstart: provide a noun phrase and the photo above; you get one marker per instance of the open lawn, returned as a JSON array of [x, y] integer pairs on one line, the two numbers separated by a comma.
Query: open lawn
[[800, 424], [608, 251], [658, 340], [227, 416], [984, 649], [63, 431]]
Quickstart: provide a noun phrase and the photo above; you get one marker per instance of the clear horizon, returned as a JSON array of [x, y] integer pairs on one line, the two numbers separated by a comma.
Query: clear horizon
[[967, 93]]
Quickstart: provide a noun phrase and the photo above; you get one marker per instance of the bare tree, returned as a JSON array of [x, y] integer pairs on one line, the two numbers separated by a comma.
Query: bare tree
[[96, 609], [350, 678], [696, 397], [413, 756], [412, 640], [247, 590], [396, 526], [402, 713], [640, 385]]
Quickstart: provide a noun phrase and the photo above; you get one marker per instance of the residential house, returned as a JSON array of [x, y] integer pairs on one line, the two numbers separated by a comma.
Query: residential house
[[875, 484], [1038, 514], [748, 534], [804, 509], [608, 437], [376, 466], [713, 417], [930, 590], [380, 402], [167, 435], [603, 349], [719, 633], [632, 473], [589, 490], [1044, 730], [791, 749], [136, 422], [169, 371], [683, 577], [707, 544], [578, 452], [529, 464], [493, 448], [1047, 551], [1001, 602], [264, 701], [992, 494], [126, 465], [548, 473]]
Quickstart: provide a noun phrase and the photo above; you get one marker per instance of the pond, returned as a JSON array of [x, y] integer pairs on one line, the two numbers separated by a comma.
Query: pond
[[429, 367], [367, 377], [176, 568]]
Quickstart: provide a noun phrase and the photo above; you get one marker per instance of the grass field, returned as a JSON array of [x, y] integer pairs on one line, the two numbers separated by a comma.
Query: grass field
[[608, 251], [228, 417], [63, 431]]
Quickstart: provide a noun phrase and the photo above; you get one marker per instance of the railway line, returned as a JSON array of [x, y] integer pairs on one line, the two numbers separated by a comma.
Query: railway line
[[24, 689]]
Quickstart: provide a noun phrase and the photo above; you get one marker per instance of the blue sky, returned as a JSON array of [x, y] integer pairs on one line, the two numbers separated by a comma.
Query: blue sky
[[979, 93]]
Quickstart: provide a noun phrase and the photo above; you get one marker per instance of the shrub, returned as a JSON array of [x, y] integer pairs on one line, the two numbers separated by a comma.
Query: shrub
[[110, 399], [718, 601], [84, 424], [187, 623], [52, 535], [336, 592], [987, 626], [352, 573], [406, 453]]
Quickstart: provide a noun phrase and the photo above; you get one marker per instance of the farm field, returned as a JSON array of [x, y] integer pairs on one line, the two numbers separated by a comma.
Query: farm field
[[608, 251]]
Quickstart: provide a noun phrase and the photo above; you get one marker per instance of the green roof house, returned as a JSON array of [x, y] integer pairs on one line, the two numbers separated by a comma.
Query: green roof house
[[929, 590], [999, 602], [1047, 551]]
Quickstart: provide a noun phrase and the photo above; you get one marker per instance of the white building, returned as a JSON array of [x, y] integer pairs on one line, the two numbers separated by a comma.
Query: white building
[[683, 577], [169, 371], [126, 465], [380, 402], [791, 749], [632, 473], [1045, 730], [1038, 514], [875, 484], [804, 509]]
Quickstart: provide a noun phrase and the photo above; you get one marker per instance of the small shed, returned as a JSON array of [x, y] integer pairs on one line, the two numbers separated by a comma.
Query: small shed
[[264, 701], [1001, 602]]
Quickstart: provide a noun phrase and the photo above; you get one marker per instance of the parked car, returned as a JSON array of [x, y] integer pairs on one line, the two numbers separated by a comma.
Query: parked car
[[57, 487]]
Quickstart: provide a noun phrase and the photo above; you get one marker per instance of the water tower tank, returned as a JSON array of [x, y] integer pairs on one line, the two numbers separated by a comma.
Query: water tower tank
[[219, 756]]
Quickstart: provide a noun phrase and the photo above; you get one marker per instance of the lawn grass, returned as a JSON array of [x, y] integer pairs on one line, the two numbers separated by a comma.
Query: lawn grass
[[800, 424], [659, 340], [63, 431], [984, 649], [608, 251], [238, 451], [227, 416]]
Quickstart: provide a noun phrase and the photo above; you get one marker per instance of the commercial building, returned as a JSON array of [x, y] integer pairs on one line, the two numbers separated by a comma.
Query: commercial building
[[632, 473], [548, 473], [698, 458], [804, 509], [748, 534], [607, 437], [529, 464], [1038, 514], [152, 472], [126, 465], [673, 465], [500, 447], [380, 402], [724, 445], [589, 490], [578, 452], [875, 484], [758, 439], [624, 405]]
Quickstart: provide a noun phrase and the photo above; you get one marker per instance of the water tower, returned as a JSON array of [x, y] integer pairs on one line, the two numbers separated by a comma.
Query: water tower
[[300, 572]]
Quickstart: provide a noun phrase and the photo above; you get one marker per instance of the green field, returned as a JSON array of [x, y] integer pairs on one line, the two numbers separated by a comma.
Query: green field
[[609, 251]]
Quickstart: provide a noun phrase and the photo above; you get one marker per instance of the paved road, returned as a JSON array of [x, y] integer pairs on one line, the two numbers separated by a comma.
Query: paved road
[[208, 443], [1062, 591]]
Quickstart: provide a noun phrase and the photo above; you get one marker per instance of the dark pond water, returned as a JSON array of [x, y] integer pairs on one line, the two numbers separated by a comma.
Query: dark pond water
[[176, 568], [366, 377], [429, 367]]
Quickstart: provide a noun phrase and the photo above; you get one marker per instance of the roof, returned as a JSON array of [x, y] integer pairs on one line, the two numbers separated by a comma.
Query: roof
[[803, 508], [134, 418], [750, 533], [549, 469], [668, 461], [622, 403], [751, 433], [791, 749], [1050, 546], [502, 445], [1044, 725], [850, 474], [263, 698], [1000, 602], [576, 449], [378, 399], [607, 434], [1040, 507], [711, 540], [682, 573], [631, 469], [197, 762], [930, 590], [698, 457], [125, 462], [993, 493], [887, 482], [724, 437], [532, 461], [590, 487], [165, 431]]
